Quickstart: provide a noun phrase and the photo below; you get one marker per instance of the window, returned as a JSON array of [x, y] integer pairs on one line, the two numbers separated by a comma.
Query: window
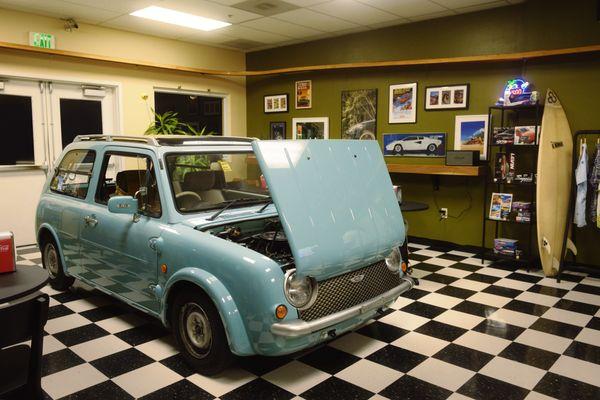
[[17, 124], [200, 112], [72, 176], [130, 175]]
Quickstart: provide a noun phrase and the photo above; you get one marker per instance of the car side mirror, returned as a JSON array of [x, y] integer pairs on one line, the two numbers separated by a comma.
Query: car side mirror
[[123, 205]]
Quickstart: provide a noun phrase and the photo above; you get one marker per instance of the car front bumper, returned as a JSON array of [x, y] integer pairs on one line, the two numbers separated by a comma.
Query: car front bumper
[[297, 327]]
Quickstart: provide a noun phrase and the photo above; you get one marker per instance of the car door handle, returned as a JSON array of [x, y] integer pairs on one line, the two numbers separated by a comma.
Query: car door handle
[[90, 220]]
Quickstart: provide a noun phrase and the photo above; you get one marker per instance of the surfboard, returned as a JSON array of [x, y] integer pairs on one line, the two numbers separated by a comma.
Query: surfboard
[[554, 174]]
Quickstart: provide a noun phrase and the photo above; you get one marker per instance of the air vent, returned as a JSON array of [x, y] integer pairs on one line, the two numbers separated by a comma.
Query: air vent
[[265, 7], [243, 44]]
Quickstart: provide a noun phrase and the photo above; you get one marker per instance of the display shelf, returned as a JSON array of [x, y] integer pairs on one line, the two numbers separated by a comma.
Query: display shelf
[[515, 146], [525, 184], [437, 169], [489, 254], [511, 221]]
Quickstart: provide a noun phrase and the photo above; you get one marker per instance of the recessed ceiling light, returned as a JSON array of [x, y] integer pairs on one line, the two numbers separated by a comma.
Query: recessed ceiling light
[[179, 18]]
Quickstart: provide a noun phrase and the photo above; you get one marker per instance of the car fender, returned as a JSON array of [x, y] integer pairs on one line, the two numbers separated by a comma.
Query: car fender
[[49, 228], [223, 301]]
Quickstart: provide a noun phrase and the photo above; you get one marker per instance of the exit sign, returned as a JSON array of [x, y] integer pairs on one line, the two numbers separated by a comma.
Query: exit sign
[[43, 40]]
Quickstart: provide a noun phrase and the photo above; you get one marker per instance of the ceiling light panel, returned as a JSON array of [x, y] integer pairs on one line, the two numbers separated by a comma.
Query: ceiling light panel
[[179, 18]]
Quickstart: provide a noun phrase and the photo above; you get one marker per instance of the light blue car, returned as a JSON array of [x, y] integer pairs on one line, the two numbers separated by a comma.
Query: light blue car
[[240, 246]]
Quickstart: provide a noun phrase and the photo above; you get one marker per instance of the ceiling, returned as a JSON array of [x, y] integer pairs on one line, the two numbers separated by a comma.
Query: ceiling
[[257, 24]]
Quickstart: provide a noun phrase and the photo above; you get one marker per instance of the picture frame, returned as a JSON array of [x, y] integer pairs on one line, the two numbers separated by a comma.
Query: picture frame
[[449, 97], [418, 144], [403, 103], [471, 133], [310, 128], [303, 94], [276, 103], [277, 130], [359, 114]]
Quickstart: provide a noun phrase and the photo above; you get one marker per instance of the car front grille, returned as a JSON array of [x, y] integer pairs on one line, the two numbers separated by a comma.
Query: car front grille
[[347, 290]]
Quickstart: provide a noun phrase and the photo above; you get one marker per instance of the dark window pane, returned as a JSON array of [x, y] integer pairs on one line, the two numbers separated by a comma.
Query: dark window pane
[[200, 112], [73, 175], [17, 130], [79, 117]]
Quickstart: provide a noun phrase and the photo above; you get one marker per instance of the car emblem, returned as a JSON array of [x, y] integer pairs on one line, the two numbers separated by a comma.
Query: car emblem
[[357, 278]]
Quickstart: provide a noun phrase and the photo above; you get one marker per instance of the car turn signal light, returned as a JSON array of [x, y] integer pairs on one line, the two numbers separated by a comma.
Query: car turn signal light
[[163, 268], [281, 311]]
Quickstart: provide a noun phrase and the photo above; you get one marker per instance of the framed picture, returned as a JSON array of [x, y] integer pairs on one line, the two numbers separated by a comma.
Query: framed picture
[[359, 114], [277, 130], [403, 104], [303, 94], [470, 133], [414, 144], [453, 97], [310, 128], [276, 103]]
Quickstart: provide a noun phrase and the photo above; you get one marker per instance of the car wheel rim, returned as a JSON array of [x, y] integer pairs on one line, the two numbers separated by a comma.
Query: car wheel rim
[[398, 149], [51, 260], [431, 148], [196, 330]]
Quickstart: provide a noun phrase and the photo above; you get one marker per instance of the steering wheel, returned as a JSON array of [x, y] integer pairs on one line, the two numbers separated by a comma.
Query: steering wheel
[[187, 199]]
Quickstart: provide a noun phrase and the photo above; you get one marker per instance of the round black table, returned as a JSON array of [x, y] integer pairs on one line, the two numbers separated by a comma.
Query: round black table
[[408, 206], [25, 280]]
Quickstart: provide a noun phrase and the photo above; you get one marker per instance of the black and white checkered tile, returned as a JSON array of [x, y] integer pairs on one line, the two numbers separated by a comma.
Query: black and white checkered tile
[[468, 331]]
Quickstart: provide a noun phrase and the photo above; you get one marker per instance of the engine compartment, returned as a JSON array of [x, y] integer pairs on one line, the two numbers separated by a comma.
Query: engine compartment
[[265, 236]]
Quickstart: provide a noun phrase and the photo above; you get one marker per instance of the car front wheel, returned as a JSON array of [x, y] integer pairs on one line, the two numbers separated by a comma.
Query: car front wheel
[[199, 332], [431, 148], [398, 148], [53, 264]]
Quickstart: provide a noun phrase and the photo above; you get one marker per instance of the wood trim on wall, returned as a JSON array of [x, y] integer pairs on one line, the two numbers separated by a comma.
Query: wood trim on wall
[[520, 56]]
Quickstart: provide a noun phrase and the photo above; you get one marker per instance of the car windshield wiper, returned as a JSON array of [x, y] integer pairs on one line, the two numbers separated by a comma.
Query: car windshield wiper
[[236, 201], [263, 208]]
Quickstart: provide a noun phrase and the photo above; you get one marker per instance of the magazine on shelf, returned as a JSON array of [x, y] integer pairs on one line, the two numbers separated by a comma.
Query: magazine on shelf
[[500, 206]]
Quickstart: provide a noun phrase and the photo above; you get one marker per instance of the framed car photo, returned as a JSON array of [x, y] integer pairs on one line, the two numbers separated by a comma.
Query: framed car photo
[[470, 133], [403, 104], [359, 114], [452, 97], [303, 94], [310, 128], [414, 144], [276, 103]]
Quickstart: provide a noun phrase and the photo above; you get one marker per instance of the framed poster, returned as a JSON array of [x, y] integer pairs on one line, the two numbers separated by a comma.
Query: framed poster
[[277, 130], [470, 133], [310, 128], [359, 114], [414, 144], [303, 94], [403, 104], [276, 103], [453, 97]]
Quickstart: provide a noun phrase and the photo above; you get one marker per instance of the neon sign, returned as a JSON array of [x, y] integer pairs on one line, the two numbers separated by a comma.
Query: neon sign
[[516, 92]]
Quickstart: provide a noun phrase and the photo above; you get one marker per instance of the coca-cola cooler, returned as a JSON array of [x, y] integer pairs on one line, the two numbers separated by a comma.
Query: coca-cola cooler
[[8, 259]]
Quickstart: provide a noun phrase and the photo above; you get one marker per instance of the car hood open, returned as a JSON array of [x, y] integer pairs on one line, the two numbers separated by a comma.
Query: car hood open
[[335, 201]]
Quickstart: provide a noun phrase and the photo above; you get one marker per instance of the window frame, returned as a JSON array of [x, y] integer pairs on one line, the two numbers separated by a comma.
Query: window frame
[[90, 174], [133, 154]]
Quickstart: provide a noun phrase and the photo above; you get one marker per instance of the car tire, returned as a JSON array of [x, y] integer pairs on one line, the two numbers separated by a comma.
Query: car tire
[[206, 349], [398, 148], [53, 264], [431, 148]]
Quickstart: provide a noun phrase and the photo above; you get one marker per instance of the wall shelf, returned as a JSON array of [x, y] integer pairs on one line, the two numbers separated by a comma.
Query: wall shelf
[[437, 169]]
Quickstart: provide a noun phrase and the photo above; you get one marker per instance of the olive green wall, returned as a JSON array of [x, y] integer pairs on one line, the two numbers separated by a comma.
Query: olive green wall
[[576, 80]]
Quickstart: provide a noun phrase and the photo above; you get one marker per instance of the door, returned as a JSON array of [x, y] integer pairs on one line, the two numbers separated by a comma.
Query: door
[[23, 156], [118, 249], [39, 119]]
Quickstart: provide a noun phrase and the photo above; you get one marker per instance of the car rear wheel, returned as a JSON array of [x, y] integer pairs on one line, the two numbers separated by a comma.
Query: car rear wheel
[[398, 148], [53, 264], [431, 148], [199, 332]]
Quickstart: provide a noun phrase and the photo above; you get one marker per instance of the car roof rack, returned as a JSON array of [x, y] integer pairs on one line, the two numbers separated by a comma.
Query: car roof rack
[[167, 140]]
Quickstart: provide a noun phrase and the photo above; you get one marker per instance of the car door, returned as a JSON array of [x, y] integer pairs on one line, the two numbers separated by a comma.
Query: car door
[[409, 143], [118, 249]]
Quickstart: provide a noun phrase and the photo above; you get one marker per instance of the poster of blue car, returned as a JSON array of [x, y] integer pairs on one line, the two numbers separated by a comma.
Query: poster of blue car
[[414, 144]]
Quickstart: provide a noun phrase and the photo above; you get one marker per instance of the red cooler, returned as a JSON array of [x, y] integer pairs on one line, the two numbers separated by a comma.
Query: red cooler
[[8, 260]]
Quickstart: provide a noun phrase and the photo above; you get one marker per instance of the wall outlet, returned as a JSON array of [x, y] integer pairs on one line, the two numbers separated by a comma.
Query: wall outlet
[[443, 213]]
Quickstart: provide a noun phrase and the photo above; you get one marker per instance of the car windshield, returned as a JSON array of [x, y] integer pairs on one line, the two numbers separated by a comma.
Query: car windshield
[[210, 181]]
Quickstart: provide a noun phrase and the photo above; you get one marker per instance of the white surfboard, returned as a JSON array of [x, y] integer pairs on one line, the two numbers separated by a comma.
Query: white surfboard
[[554, 174]]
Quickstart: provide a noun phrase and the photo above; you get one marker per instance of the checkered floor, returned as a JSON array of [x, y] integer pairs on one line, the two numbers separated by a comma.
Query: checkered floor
[[468, 331]]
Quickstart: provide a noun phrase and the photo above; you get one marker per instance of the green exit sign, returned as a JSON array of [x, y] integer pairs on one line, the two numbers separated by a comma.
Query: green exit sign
[[43, 40]]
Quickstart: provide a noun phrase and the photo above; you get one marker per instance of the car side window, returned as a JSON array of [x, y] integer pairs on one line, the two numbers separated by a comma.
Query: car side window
[[73, 174], [130, 175]]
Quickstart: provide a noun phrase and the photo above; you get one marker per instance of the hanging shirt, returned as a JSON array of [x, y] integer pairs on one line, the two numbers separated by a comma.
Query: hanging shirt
[[581, 178], [594, 205]]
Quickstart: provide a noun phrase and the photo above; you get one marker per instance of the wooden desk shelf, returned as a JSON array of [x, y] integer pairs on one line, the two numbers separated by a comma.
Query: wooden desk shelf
[[436, 169]]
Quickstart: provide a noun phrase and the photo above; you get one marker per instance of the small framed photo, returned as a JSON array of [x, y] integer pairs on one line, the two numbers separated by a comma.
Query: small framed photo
[[403, 104], [470, 133], [310, 128], [452, 97], [526, 135], [303, 94], [276, 103], [414, 144], [277, 130]]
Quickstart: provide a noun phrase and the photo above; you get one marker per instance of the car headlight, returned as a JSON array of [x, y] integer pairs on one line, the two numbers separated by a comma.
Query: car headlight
[[300, 292], [394, 260]]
